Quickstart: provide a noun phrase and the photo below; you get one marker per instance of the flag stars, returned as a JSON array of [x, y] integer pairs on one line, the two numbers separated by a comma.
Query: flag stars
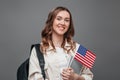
[[82, 50]]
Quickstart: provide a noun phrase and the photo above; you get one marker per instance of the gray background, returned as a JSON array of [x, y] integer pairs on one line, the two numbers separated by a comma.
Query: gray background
[[97, 25]]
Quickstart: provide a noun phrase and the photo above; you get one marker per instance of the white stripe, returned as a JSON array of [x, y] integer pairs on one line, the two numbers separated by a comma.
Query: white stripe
[[84, 61], [89, 57], [93, 55], [85, 58]]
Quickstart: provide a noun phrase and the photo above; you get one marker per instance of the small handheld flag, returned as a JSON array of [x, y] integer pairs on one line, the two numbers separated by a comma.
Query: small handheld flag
[[85, 56]]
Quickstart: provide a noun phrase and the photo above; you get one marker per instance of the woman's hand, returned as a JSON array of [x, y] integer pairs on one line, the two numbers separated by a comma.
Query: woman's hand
[[69, 74]]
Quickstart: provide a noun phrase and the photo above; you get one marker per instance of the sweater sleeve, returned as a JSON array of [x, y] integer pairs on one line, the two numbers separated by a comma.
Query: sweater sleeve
[[34, 68], [86, 73]]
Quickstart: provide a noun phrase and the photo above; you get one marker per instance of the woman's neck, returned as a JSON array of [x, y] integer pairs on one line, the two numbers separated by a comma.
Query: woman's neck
[[57, 40]]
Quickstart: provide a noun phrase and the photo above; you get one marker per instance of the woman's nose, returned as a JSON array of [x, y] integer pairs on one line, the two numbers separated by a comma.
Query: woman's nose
[[63, 22]]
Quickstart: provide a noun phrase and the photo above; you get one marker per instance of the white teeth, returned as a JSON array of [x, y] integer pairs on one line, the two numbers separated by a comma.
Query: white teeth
[[61, 27]]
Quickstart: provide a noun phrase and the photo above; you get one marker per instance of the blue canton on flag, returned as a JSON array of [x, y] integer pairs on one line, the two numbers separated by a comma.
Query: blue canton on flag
[[85, 56]]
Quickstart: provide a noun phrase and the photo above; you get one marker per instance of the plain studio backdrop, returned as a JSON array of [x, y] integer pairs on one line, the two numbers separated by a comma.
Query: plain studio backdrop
[[97, 27]]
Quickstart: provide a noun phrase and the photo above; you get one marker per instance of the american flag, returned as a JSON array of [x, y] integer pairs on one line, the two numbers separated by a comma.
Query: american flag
[[85, 56]]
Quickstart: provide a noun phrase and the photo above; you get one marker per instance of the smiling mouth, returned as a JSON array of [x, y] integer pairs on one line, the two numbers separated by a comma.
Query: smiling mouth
[[61, 27]]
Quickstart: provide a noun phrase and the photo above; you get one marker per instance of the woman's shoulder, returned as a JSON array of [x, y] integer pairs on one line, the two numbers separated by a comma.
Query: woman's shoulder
[[77, 45], [33, 51]]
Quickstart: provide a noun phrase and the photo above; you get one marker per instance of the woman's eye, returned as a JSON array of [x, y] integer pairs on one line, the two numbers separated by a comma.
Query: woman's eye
[[58, 18], [67, 20]]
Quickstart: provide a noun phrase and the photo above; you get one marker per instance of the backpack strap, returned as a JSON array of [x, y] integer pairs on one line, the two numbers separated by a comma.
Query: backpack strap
[[40, 58]]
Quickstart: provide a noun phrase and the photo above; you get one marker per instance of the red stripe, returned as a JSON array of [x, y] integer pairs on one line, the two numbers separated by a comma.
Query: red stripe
[[83, 60], [79, 60], [88, 55], [87, 60], [91, 53]]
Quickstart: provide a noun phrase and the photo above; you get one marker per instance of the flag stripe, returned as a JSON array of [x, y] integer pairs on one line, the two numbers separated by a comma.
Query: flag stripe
[[88, 55], [82, 61], [87, 59], [91, 54], [84, 58]]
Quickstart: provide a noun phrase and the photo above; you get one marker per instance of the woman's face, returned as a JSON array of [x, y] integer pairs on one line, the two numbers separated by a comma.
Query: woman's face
[[61, 23]]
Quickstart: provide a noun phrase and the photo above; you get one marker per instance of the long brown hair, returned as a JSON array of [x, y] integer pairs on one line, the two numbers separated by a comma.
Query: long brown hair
[[47, 31]]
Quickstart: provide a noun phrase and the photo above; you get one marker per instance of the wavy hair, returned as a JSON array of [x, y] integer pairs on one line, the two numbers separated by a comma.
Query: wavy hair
[[46, 33]]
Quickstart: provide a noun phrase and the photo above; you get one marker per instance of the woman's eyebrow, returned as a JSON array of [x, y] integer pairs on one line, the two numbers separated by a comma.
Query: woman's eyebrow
[[61, 17]]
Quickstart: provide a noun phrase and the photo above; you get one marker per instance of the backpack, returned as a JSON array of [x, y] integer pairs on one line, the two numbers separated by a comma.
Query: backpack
[[23, 69]]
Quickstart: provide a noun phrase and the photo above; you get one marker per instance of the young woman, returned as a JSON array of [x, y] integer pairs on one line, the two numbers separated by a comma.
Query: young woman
[[57, 47]]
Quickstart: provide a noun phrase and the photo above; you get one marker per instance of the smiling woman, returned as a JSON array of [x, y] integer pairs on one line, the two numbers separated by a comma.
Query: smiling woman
[[60, 26], [57, 47], [61, 23]]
